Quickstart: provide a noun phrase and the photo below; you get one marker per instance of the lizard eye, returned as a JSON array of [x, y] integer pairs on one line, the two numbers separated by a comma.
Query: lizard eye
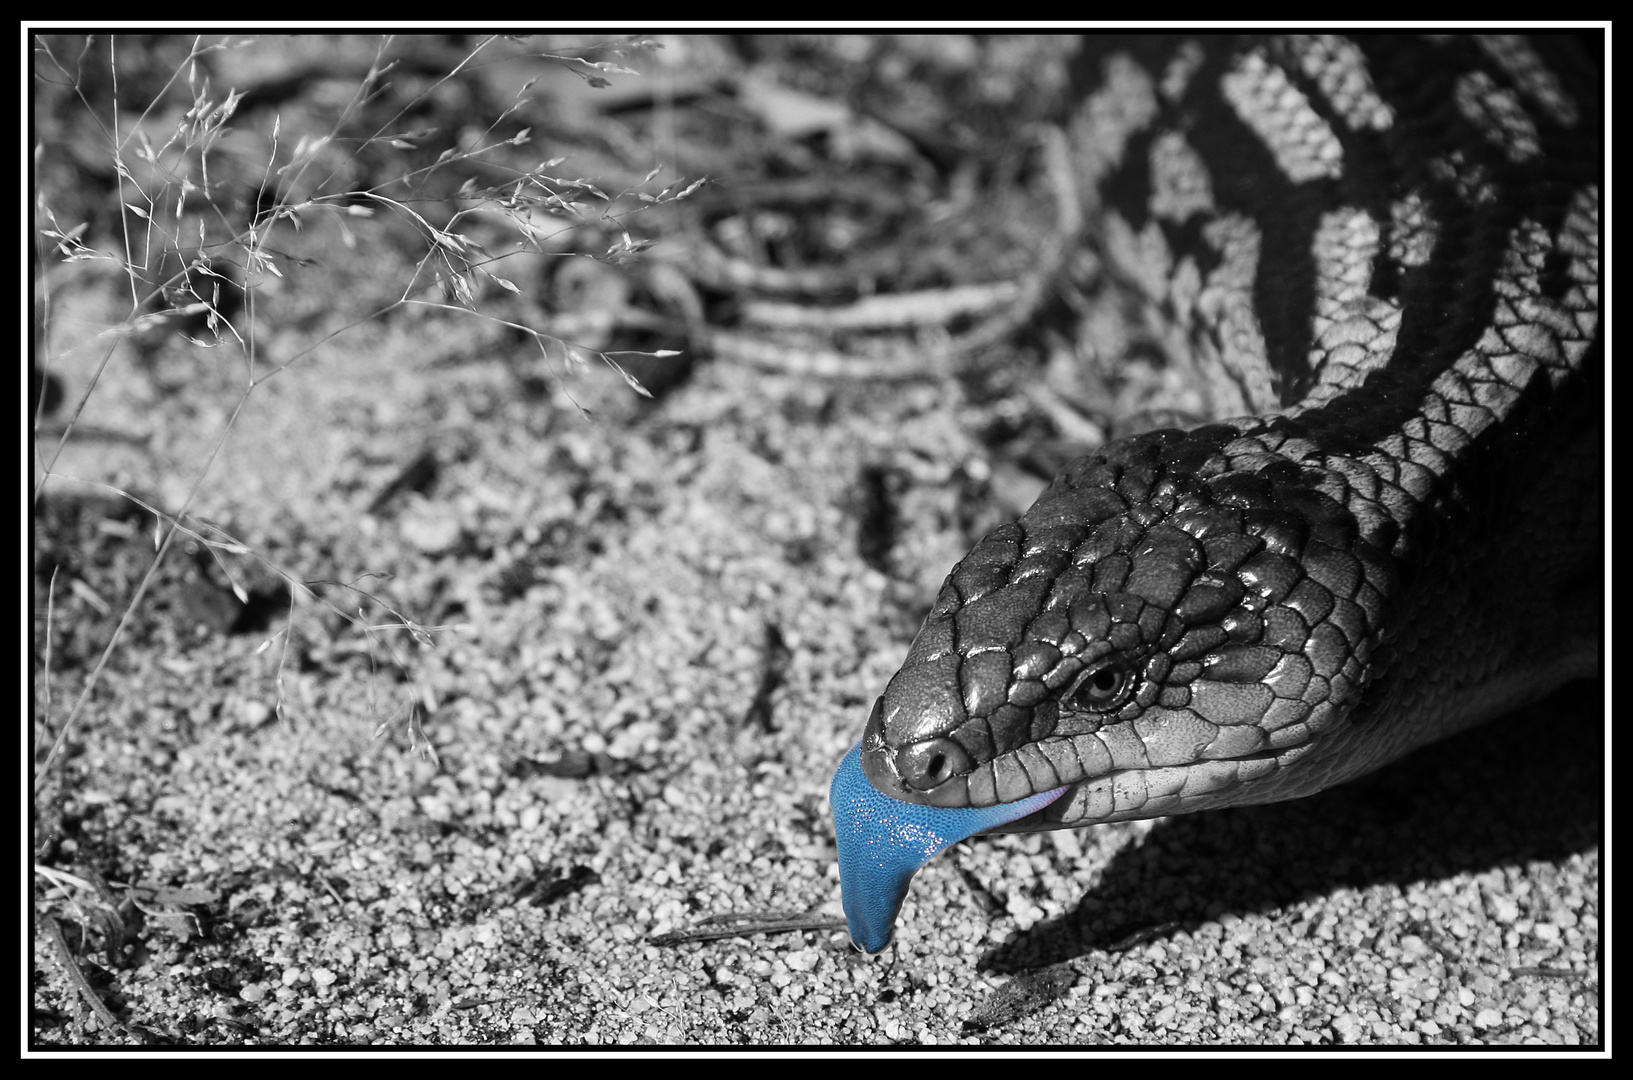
[[1102, 688]]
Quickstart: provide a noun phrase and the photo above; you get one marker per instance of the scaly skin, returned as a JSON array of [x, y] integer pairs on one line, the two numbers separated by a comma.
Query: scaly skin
[[1387, 253]]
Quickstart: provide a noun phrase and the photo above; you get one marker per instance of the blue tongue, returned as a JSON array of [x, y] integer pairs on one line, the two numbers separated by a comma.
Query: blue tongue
[[884, 841]]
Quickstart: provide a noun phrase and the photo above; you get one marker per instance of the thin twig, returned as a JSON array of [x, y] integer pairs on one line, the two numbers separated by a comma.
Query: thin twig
[[70, 967], [726, 926]]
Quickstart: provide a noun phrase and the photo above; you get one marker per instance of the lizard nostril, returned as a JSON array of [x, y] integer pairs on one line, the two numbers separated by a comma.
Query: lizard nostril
[[928, 764]]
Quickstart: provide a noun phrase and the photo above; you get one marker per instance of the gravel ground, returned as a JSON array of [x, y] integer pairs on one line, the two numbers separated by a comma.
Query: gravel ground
[[656, 635], [624, 589]]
